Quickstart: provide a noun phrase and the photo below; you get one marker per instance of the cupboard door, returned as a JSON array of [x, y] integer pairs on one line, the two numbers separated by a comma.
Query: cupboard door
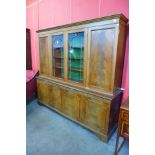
[[58, 55], [94, 113], [55, 97], [44, 56], [43, 91], [70, 104], [101, 51], [76, 56]]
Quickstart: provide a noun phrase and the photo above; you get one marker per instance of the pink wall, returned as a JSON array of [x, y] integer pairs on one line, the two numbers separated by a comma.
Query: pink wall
[[42, 14]]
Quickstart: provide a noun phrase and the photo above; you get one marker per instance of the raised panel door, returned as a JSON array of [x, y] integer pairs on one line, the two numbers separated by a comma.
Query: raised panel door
[[55, 97], [94, 113], [101, 52], [44, 55], [70, 105], [43, 91]]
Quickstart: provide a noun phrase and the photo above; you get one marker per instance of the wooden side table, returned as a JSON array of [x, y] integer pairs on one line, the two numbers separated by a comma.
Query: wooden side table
[[123, 125]]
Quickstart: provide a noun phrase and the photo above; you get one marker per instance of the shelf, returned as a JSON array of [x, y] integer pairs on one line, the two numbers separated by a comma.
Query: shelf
[[59, 67], [58, 57], [76, 69], [77, 58], [58, 47], [71, 69], [75, 47]]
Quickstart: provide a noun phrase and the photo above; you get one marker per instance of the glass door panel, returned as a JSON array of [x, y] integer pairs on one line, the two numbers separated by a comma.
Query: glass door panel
[[58, 55], [75, 56]]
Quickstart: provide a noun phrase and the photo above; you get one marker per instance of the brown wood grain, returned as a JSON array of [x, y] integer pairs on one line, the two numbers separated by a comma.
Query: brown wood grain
[[55, 97], [43, 91], [101, 58], [70, 104], [44, 56], [96, 113]]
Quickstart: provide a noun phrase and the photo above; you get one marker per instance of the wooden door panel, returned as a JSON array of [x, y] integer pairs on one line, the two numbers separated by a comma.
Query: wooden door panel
[[101, 58], [70, 104], [94, 113], [82, 106], [43, 91], [55, 97], [44, 56]]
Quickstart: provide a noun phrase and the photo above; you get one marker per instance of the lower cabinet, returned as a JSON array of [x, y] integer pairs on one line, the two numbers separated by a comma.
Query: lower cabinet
[[89, 110]]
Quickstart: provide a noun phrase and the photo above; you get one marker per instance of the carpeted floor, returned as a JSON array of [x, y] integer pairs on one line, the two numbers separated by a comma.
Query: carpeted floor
[[49, 133]]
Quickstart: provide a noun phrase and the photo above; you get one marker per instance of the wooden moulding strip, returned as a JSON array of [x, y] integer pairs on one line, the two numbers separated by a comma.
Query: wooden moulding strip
[[84, 90], [119, 16]]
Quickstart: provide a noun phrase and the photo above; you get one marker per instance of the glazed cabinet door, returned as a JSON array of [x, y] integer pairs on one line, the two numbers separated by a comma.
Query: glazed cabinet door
[[101, 57], [44, 56], [94, 113], [70, 105], [43, 91], [57, 55], [76, 56]]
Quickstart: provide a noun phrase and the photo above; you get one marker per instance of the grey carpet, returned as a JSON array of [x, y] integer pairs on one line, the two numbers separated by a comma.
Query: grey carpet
[[49, 133]]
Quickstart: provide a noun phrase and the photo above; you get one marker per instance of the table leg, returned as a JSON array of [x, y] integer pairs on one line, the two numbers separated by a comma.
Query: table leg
[[117, 141]]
